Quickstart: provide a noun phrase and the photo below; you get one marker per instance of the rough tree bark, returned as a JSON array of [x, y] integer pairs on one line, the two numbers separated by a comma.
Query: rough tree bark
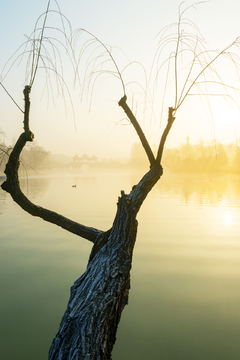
[[89, 325]]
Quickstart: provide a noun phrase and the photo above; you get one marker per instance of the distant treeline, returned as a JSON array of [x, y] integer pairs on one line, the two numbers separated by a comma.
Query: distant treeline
[[201, 157]]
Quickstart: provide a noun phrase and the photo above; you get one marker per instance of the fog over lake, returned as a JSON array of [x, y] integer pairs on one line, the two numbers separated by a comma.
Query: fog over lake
[[185, 293]]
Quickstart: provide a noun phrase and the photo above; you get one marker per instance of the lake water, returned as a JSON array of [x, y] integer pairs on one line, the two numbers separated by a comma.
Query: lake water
[[185, 283]]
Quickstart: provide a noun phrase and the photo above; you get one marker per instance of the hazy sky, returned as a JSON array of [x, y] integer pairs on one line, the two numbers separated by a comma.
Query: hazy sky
[[131, 26]]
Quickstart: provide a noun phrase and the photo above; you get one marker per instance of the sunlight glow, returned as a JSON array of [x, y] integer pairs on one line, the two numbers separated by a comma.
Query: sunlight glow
[[226, 121], [227, 218]]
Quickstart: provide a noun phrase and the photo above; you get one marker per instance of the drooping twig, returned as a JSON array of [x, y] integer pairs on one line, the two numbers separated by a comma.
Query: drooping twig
[[11, 97], [34, 70]]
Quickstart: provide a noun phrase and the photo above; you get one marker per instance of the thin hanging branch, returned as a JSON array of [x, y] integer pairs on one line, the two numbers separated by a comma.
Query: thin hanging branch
[[206, 67], [43, 52], [193, 68], [107, 50], [34, 70], [11, 97]]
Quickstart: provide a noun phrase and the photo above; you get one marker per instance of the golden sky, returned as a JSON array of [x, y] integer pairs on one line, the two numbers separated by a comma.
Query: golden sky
[[131, 26]]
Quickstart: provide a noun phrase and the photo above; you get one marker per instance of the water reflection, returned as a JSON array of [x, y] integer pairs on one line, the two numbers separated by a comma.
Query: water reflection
[[185, 294], [202, 189], [35, 186], [3, 205]]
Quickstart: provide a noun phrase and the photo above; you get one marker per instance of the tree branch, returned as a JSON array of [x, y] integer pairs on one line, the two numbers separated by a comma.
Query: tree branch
[[138, 129], [26, 93], [171, 119], [12, 186]]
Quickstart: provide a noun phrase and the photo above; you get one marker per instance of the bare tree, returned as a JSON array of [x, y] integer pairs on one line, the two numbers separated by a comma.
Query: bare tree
[[89, 325]]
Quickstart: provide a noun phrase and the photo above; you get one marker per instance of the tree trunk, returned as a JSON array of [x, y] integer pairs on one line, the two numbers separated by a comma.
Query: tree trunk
[[89, 325]]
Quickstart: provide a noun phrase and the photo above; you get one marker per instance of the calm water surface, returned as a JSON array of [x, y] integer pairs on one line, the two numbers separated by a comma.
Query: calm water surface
[[185, 291]]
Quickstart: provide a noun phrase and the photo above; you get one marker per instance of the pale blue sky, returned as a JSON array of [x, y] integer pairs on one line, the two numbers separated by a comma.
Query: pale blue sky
[[130, 25]]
